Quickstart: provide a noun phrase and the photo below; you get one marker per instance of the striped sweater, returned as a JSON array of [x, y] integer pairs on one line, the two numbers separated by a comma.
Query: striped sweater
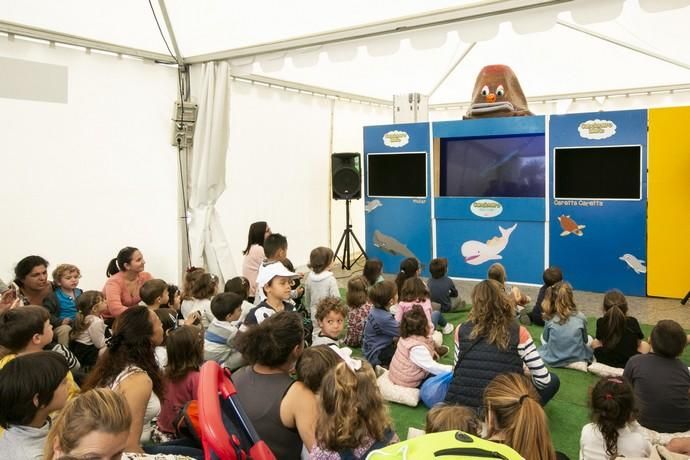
[[529, 355]]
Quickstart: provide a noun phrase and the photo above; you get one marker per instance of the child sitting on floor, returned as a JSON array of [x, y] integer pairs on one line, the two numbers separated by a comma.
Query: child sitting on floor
[[31, 387], [154, 293], [618, 335], [414, 292], [220, 335], [564, 340], [381, 330], [274, 280], [447, 417], [313, 364], [185, 350], [330, 316], [372, 271], [613, 431], [441, 288], [28, 330], [661, 381], [88, 330], [497, 272], [409, 268], [320, 282], [551, 276], [66, 279], [240, 286], [353, 419], [203, 288], [413, 360], [358, 310]]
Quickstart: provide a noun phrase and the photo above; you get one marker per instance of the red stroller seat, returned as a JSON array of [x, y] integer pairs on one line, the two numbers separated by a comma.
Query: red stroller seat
[[226, 431]]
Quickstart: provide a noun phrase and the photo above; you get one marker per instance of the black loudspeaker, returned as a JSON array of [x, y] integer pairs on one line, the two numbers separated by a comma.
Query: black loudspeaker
[[346, 176]]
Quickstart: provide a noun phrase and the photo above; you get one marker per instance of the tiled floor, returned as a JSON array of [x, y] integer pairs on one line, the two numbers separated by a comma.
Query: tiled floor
[[647, 310]]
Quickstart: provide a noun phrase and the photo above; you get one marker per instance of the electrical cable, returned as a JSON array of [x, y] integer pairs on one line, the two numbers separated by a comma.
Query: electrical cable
[[183, 129]]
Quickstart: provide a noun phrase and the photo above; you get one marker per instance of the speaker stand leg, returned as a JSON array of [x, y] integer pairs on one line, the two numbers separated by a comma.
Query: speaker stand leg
[[346, 259]]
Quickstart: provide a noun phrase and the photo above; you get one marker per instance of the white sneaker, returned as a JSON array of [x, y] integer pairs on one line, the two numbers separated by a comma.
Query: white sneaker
[[448, 329]]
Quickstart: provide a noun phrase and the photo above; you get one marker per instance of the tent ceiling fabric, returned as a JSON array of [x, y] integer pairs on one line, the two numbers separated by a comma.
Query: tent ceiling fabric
[[548, 57]]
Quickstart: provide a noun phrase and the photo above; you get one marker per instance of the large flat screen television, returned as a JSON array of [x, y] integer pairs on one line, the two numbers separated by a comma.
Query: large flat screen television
[[397, 174], [605, 173], [501, 166]]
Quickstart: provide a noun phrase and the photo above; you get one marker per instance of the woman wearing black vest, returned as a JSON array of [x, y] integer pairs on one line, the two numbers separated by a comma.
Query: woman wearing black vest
[[282, 410], [491, 343]]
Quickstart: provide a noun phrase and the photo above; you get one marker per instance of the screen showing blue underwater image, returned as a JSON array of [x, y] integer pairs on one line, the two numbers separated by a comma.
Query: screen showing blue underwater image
[[506, 166]]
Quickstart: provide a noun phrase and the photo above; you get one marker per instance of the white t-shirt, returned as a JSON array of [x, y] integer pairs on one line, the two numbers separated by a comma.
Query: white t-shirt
[[202, 305], [632, 442]]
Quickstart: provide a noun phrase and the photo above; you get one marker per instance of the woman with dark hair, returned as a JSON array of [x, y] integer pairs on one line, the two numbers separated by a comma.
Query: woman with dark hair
[[31, 277], [125, 277], [254, 254], [282, 410], [33, 288], [129, 367]]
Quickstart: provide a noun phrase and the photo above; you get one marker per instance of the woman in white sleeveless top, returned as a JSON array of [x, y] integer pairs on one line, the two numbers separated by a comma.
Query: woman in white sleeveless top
[[129, 367]]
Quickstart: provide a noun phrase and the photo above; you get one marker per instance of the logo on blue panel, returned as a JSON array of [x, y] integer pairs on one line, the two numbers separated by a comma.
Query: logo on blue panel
[[486, 208], [597, 129], [396, 138]]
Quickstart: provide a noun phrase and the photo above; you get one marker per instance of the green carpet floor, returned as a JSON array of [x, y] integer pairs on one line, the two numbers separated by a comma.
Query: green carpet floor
[[567, 412]]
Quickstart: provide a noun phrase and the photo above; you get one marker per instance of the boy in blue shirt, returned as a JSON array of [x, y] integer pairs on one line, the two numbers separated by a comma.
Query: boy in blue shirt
[[381, 331]]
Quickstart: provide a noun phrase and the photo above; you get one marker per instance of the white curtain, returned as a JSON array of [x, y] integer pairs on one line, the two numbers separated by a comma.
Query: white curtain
[[209, 247]]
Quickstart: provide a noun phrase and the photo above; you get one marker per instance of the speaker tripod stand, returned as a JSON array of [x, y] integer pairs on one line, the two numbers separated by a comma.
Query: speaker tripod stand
[[345, 260]]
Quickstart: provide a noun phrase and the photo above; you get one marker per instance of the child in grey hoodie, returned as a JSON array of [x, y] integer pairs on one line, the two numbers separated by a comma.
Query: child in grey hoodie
[[320, 282]]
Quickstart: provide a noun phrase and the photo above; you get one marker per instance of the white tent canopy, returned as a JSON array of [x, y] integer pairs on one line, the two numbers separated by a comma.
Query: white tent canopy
[[305, 76], [556, 47]]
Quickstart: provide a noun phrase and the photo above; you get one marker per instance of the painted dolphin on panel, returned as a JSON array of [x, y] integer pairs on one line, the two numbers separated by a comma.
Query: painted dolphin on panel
[[476, 252], [391, 245], [373, 204], [633, 262], [570, 226]]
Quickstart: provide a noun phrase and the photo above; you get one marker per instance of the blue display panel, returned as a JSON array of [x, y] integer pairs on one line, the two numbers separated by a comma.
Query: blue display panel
[[397, 227], [600, 243], [492, 185]]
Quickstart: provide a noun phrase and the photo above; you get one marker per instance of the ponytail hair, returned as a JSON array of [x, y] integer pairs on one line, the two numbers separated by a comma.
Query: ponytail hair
[[271, 343], [408, 269], [615, 311], [85, 303], [352, 410], [559, 300], [512, 405], [118, 263], [613, 406], [413, 289]]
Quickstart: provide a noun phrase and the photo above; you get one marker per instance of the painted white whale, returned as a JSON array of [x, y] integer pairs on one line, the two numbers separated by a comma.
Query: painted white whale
[[373, 204], [633, 262], [476, 252]]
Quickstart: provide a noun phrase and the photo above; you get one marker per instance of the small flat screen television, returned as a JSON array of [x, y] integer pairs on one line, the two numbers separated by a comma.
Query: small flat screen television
[[500, 166], [397, 174], [604, 173]]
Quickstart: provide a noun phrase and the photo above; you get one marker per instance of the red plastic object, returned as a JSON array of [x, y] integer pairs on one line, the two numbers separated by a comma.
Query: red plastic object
[[215, 385]]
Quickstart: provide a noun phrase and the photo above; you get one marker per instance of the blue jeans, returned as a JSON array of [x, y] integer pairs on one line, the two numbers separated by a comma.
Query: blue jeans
[[180, 446], [550, 390], [438, 319]]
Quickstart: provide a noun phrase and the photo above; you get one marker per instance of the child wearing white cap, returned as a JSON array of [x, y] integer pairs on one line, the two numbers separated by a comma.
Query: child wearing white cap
[[275, 281]]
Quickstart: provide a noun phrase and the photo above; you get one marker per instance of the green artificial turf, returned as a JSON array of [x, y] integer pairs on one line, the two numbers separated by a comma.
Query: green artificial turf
[[567, 412]]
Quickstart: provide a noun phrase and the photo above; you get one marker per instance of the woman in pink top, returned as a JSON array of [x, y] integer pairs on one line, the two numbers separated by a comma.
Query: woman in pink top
[[254, 254], [125, 276]]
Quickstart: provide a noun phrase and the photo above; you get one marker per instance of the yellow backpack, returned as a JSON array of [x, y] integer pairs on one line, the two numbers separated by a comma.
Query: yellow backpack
[[448, 445]]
